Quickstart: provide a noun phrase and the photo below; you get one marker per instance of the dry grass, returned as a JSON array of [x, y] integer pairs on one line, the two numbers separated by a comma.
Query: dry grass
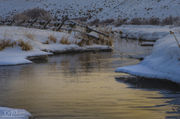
[[81, 43], [65, 40], [46, 42], [110, 42], [6, 43], [52, 39], [120, 32], [99, 40], [104, 40], [30, 36], [24, 45]]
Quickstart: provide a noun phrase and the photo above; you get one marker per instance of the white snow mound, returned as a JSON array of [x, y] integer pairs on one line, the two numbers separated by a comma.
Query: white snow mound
[[163, 63]]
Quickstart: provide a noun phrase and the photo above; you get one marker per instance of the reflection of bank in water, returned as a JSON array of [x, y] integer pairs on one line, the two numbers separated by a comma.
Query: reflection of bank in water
[[146, 83], [169, 89]]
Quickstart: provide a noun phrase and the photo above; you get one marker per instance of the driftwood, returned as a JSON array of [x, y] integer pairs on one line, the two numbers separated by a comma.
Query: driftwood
[[62, 23], [56, 25], [33, 22], [83, 33], [88, 28], [45, 25]]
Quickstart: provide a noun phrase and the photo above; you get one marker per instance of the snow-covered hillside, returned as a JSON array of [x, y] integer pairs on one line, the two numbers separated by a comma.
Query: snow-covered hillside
[[101, 9]]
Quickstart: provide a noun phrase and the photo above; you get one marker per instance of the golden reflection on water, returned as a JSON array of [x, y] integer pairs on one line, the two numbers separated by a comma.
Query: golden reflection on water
[[79, 86]]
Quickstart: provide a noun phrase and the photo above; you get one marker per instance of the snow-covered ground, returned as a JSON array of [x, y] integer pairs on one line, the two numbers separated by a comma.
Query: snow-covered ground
[[9, 113], [143, 32], [163, 63], [100, 9], [42, 42]]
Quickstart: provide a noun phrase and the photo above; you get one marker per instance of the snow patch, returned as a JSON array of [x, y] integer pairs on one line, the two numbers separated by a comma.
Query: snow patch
[[163, 63], [144, 32], [9, 113]]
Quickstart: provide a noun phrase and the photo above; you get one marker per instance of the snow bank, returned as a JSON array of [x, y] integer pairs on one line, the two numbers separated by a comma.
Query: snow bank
[[144, 32], [14, 56], [43, 42], [9, 113], [163, 63]]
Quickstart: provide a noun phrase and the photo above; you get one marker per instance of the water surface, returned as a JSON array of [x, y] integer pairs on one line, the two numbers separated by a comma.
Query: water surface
[[83, 86]]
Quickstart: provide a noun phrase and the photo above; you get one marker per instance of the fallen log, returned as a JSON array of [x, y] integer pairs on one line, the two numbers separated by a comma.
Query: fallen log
[[62, 23], [88, 28]]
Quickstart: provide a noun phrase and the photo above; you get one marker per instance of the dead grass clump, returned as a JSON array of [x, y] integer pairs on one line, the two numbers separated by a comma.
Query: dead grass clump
[[46, 42], [101, 39], [30, 36], [52, 39], [110, 42], [24, 45], [81, 43], [87, 42], [120, 32], [6, 43], [65, 40]]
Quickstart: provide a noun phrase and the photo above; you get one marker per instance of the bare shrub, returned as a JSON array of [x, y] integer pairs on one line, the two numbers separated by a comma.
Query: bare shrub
[[95, 22], [154, 21], [177, 21], [83, 19], [107, 21], [52, 39], [119, 22], [136, 21], [171, 21], [24, 45], [1, 19], [36, 13], [168, 21]]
